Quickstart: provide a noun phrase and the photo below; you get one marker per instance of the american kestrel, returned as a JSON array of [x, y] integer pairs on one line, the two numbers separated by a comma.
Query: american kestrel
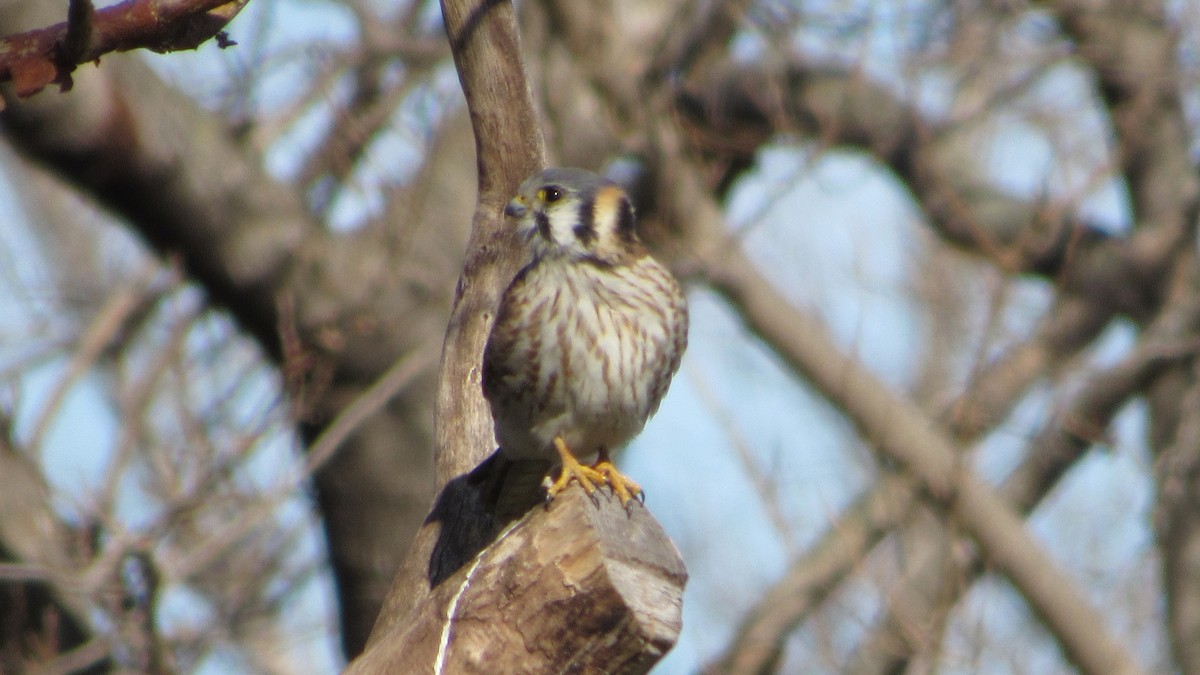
[[588, 334]]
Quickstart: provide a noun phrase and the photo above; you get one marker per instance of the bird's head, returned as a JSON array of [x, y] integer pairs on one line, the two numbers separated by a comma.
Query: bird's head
[[575, 214]]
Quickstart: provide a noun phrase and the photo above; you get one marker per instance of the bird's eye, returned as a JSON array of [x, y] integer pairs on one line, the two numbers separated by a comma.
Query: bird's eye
[[551, 194]]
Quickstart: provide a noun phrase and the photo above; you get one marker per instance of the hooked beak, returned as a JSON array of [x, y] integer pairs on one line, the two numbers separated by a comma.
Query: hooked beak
[[516, 208]]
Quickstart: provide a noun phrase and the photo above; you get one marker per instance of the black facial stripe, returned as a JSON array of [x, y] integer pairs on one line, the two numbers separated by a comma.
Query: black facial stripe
[[543, 224], [625, 220], [585, 229]]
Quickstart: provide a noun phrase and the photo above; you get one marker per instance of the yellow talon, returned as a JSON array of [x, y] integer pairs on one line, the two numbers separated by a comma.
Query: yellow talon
[[622, 486], [587, 477]]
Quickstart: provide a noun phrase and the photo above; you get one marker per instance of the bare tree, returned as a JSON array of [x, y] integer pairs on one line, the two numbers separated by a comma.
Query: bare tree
[[245, 311]]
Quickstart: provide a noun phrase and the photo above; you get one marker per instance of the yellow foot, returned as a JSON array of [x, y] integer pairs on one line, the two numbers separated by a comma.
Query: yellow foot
[[587, 477], [622, 486]]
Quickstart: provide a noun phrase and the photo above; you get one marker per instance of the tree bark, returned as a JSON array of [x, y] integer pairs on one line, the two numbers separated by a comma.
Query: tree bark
[[574, 587]]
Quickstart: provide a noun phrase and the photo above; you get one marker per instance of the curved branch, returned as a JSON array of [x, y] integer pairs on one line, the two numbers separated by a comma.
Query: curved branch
[[173, 171], [1133, 52], [508, 147], [732, 109]]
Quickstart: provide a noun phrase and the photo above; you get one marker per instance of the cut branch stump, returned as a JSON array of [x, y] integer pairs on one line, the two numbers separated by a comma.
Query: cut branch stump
[[574, 587]]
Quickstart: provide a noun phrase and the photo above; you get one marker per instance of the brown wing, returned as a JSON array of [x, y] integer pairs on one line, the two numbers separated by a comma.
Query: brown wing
[[510, 365]]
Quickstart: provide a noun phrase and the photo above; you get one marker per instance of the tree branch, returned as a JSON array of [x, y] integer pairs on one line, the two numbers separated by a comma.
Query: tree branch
[[569, 588], [900, 432], [732, 109], [461, 602], [743, 108], [758, 645], [1169, 342], [36, 58], [334, 311], [1134, 53], [1068, 328], [32, 535], [508, 148]]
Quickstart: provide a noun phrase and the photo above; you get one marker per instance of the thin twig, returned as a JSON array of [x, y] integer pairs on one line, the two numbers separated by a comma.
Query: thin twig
[[391, 383], [104, 329]]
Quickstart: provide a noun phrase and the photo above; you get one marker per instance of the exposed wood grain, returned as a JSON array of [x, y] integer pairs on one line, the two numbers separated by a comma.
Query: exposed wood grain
[[574, 587]]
